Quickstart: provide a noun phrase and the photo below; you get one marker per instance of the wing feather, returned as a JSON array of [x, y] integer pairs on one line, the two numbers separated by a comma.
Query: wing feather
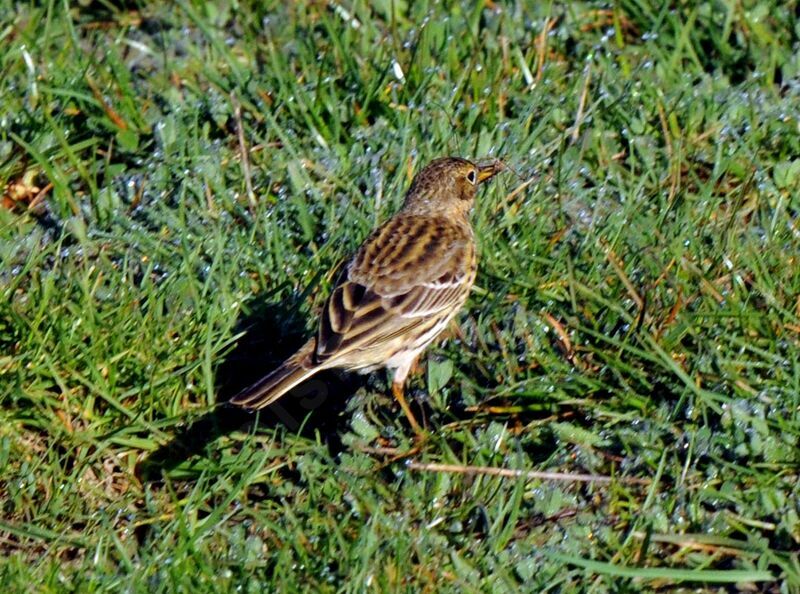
[[409, 273]]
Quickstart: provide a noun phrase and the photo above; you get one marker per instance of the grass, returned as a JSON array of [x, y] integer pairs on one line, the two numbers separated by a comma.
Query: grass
[[176, 182]]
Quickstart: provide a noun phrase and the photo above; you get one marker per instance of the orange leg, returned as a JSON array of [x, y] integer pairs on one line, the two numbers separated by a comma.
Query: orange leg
[[398, 393]]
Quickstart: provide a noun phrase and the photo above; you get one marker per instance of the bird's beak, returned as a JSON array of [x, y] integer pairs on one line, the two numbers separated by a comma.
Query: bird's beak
[[489, 170]]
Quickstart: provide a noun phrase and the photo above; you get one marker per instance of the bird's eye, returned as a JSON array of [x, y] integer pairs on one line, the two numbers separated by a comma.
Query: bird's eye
[[471, 177]]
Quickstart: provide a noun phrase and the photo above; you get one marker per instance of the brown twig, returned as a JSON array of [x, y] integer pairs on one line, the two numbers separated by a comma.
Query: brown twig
[[528, 474], [618, 267], [110, 112], [40, 196], [563, 336], [576, 128], [690, 541], [243, 152], [505, 203], [541, 47]]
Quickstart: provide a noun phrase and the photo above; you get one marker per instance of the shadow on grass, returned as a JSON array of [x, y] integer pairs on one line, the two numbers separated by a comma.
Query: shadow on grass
[[272, 333]]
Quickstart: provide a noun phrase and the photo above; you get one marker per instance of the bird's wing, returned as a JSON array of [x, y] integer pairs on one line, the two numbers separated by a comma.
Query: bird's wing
[[409, 271]]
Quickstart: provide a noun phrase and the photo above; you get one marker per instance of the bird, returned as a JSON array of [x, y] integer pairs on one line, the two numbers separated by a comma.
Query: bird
[[399, 290]]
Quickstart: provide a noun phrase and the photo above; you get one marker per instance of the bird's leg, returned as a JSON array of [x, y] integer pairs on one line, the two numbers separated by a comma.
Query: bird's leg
[[416, 367], [398, 393]]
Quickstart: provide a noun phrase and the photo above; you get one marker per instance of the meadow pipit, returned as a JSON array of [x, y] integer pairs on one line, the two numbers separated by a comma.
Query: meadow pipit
[[400, 289]]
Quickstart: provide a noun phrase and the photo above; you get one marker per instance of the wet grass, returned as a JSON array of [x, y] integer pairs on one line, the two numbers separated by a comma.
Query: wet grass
[[176, 183]]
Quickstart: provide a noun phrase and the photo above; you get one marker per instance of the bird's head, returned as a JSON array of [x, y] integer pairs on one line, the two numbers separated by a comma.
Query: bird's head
[[448, 186]]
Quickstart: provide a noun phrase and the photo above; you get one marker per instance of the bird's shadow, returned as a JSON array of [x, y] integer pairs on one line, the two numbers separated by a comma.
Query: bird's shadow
[[271, 333]]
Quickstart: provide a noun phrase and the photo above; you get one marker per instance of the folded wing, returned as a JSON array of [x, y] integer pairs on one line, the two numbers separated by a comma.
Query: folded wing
[[409, 272]]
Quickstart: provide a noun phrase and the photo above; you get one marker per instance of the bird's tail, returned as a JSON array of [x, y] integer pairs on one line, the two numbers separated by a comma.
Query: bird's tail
[[296, 369]]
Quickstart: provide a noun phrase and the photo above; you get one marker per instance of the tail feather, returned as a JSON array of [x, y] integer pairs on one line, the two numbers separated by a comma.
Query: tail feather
[[272, 386]]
